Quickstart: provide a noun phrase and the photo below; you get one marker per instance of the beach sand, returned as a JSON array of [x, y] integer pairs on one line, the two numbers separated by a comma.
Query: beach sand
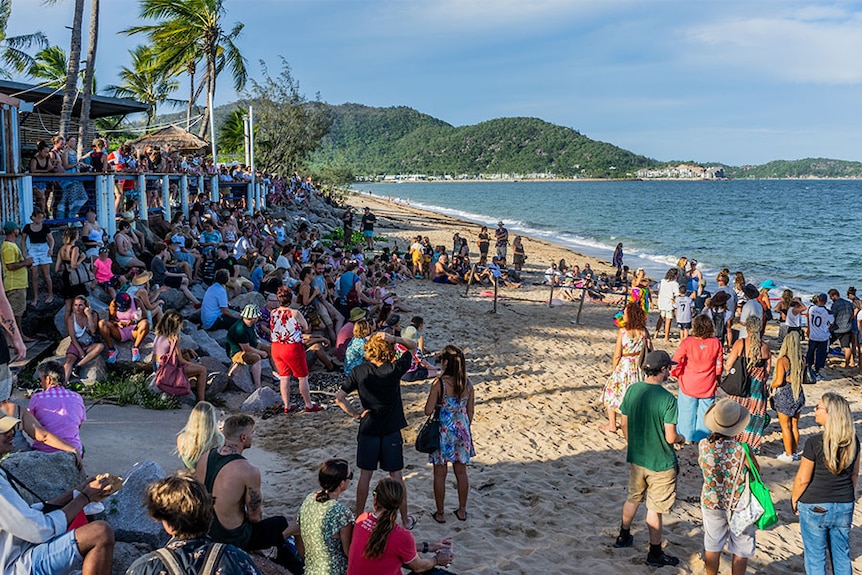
[[546, 485]]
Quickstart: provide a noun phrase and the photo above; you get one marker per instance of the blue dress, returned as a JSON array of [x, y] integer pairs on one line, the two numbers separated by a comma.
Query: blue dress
[[456, 440]]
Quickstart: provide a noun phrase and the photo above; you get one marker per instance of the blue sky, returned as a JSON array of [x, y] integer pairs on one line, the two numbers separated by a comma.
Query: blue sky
[[705, 80]]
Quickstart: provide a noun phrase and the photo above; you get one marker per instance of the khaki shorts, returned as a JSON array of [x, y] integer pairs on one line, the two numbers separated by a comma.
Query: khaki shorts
[[659, 487], [244, 358], [18, 301], [323, 314]]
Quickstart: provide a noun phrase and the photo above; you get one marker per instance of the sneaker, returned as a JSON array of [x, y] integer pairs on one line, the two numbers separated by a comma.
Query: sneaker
[[661, 559], [624, 541], [314, 408], [136, 354], [818, 376], [796, 457], [112, 356], [785, 458]]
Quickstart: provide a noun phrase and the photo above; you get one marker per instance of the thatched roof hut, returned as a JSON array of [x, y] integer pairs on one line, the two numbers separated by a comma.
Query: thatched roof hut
[[175, 137]]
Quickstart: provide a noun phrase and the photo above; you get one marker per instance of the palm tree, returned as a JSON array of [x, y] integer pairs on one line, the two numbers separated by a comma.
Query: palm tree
[[50, 65], [70, 90], [231, 134], [12, 47], [89, 77], [188, 32], [145, 82]]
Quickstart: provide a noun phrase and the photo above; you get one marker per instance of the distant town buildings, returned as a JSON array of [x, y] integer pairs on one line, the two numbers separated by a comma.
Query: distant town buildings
[[683, 172]]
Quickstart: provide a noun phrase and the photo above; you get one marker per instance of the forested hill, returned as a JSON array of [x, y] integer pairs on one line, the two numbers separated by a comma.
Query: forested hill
[[806, 168], [371, 141]]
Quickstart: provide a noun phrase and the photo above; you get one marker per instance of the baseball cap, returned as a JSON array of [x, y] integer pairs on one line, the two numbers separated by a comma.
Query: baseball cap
[[10, 226], [655, 360], [123, 301]]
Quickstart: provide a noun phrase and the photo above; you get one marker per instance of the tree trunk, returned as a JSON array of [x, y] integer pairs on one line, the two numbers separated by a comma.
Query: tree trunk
[[211, 87], [192, 96], [70, 91], [84, 120]]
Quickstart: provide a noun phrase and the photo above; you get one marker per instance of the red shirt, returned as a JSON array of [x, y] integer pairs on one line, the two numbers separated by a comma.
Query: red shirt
[[699, 366], [400, 549]]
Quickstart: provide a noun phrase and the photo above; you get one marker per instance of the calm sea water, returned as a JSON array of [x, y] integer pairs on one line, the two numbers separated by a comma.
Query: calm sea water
[[801, 234]]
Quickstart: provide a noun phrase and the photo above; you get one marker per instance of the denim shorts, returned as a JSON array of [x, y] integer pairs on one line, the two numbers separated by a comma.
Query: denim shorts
[[56, 557]]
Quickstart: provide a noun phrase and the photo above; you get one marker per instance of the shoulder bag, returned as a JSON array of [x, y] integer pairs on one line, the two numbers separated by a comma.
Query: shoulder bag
[[82, 274], [170, 375], [736, 381], [428, 438], [760, 492]]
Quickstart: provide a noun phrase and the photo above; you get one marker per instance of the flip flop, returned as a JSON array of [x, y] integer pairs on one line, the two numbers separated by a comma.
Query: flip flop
[[439, 517], [411, 523], [455, 513]]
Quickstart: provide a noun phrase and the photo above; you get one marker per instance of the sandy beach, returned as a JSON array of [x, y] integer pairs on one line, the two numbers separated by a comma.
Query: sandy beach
[[546, 485]]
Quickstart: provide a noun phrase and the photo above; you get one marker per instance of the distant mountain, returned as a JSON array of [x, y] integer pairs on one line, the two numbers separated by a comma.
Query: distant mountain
[[400, 140], [806, 168]]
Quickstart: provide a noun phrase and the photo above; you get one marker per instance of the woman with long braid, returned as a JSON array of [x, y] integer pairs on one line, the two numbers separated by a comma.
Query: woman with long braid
[[380, 545], [326, 524], [757, 366]]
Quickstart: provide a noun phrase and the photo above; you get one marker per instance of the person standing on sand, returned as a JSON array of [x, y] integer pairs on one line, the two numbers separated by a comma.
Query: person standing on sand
[[518, 257], [667, 291], [368, 221], [617, 260], [347, 226], [632, 341], [484, 243], [501, 237], [820, 320], [650, 411]]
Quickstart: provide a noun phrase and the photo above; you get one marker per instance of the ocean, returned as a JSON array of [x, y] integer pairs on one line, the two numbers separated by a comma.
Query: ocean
[[800, 234]]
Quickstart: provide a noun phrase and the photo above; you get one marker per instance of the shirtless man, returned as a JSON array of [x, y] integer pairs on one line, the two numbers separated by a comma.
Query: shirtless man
[[234, 483], [443, 274]]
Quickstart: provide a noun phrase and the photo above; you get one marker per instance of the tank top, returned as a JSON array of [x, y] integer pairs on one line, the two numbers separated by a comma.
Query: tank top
[[96, 233], [285, 329], [129, 314], [240, 535]]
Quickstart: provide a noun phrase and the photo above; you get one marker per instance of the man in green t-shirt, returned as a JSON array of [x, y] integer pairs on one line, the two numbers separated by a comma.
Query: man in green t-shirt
[[649, 414], [244, 347]]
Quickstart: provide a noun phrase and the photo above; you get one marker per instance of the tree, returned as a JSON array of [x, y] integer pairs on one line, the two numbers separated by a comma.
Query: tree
[[288, 127], [190, 31], [145, 82], [89, 77], [50, 66], [231, 134], [70, 90], [12, 47]]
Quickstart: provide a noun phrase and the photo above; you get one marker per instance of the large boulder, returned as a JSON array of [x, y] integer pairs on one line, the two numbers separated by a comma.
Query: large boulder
[[243, 300], [240, 377], [46, 474], [208, 345], [174, 299], [94, 371], [125, 554], [188, 342], [261, 400], [217, 379], [125, 511]]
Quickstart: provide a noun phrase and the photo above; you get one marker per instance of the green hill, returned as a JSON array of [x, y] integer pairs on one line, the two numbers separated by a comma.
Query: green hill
[[806, 168], [372, 141]]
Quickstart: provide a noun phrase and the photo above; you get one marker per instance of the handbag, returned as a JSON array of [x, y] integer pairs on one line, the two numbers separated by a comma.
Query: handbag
[[747, 510], [428, 438], [80, 275], [760, 492], [736, 381], [170, 375]]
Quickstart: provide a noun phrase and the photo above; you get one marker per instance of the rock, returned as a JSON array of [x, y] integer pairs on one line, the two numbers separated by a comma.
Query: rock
[[125, 554], [190, 327], [261, 400], [174, 299], [63, 346], [124, 353], [210, 346], [188, 342], [217, 379], [241, 378], [198, 290], [94, 371], [60, 322], [46, 474], [125, 511], [243, 300]]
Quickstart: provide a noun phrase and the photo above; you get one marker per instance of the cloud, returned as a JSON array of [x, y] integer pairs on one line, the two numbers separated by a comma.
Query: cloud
[[810, 45]]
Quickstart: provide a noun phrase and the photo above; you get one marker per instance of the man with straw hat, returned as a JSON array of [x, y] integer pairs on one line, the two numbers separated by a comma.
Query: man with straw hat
[[649, 412]]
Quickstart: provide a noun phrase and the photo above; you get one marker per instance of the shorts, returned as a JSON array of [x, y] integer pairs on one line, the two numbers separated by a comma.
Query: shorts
[[388, 451], [123, 261], [5, 382], [244, 358], [54, 557], [368, 233], [686, 325], [441, 280], [658, 486], [173, 282], [18, 301], [716, 533], [74, 352], [289, 359], [844, 338], [40, 255], [126, 332], [667, 314]]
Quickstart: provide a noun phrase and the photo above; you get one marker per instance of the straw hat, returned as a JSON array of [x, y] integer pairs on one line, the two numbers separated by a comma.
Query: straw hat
[[726, 417], [356, 314], [142, 278]]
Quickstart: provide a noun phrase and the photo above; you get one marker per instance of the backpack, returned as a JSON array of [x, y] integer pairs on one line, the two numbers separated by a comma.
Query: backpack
[[720, 325]]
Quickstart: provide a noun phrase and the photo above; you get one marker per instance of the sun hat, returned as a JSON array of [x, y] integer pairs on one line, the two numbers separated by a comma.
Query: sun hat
[[750, 291], [251, 311], [500, 223], [142, 278], [356, 314], [726, 417], [7, 422], [10, 226], [123, 301], [768, 284], [720, 298], [656, 360]]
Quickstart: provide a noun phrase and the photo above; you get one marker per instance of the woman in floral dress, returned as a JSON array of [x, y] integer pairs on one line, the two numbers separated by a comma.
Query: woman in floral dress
[[758, 365], [632, 339], [326, 525], [454, 392]]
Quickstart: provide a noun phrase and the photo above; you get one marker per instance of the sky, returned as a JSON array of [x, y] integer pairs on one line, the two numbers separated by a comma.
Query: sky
[[736, 82]]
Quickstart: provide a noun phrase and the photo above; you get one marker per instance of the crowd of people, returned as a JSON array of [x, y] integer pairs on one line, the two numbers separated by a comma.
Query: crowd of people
[[728, 379]]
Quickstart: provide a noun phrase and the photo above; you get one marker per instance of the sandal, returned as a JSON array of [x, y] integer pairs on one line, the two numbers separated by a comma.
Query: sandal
[[458, 517], [411, 523], [439, 517]]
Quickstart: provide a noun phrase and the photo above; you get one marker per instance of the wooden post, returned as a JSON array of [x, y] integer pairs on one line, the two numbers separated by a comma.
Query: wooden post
[[472, 278], [581, 305], [184, 194], [496, 282], [166, 198]]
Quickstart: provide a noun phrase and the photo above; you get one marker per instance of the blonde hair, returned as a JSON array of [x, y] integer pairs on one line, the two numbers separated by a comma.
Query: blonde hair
[[362, 328], [378, 350], [791, 348], [199, 435], [839, 435], [753, 325]]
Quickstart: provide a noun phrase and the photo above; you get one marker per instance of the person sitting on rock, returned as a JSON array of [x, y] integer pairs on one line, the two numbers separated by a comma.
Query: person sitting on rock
[[234, 483], [82, 325], [36, 540], [59, 410], [168, 279], [167, 340], [244, 346], [185, 510], [215, 313], [124, 323]]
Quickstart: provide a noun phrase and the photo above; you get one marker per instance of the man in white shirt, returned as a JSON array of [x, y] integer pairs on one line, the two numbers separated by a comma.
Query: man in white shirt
[[751, 307], [819, 320]]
